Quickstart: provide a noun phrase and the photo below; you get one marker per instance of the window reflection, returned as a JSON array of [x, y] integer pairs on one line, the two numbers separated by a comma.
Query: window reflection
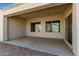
[[53, 26]]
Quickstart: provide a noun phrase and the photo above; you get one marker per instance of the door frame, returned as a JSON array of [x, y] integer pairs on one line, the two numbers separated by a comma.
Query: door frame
[[66, 34]]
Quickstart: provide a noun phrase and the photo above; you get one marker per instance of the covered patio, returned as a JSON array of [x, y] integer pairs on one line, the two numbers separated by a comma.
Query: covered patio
[[48, 45], [30, 29]]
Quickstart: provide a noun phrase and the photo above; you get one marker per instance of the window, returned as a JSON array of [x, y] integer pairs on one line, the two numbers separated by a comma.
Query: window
[[36, 27], [49, 26], [56, 26], [53, 26], [32, 27]]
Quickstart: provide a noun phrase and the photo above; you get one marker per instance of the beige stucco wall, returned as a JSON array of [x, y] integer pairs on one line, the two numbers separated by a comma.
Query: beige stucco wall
[[75, 29], [16, 27], [60, 35], [1, 27]]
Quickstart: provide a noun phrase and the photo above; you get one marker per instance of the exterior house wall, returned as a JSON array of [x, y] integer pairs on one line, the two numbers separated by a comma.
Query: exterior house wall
[[75, 19], [21, 8], [16, 27], [1, 27], [60, 35]]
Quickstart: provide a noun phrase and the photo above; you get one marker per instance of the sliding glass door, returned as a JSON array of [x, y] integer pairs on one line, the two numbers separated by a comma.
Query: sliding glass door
[[69, 29]]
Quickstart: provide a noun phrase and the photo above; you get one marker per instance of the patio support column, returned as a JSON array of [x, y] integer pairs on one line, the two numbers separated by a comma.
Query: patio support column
[[5, 29], [1, 26], [75, 29]]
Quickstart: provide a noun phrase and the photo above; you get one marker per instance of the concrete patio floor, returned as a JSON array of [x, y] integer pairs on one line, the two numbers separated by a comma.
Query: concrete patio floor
[[51, 46], [12, 50]]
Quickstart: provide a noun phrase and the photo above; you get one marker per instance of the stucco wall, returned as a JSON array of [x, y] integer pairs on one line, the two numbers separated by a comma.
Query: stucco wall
[[16, 27], [75, 28], [60, 35], [1, 27]]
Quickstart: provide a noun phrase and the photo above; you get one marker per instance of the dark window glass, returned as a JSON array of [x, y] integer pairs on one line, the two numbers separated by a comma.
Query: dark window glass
[[49, 26], [53, 26], [56, 26], [32, 27], [36, 27]]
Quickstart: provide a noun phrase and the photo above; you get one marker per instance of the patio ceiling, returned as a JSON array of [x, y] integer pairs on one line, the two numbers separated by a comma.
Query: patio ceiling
[[45, 12]]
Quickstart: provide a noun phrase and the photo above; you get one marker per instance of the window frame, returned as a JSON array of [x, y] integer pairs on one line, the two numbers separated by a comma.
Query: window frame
[[55, 21], [32, 27]]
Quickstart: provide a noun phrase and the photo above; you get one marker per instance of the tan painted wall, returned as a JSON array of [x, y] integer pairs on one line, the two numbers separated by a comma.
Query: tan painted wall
[[16, 27], [60, 35]]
